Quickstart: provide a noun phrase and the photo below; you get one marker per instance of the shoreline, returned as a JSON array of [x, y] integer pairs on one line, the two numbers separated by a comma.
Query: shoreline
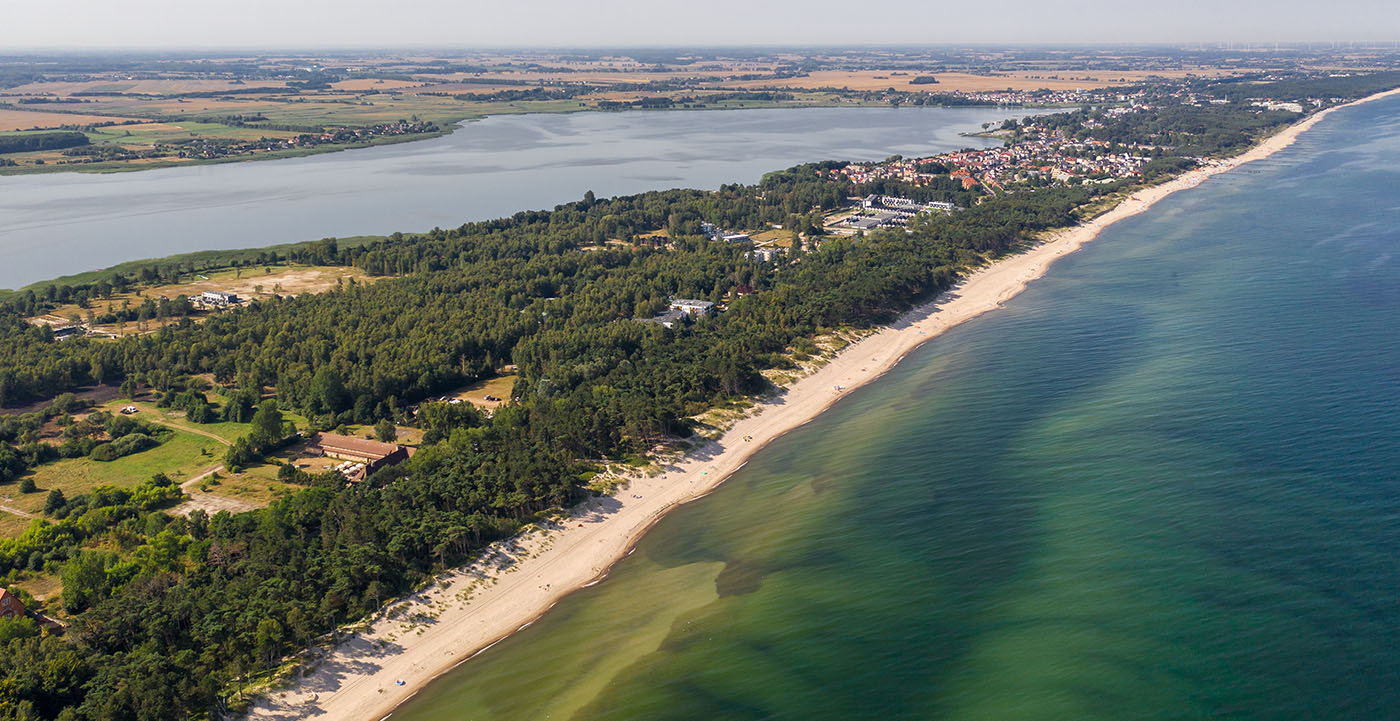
[[516, 581]]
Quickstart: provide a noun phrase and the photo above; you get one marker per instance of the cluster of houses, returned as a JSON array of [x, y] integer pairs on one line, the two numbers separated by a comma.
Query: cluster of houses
[[224, 147], [1041, 154], [907, 171], [1273, 105], [1045, 154], [1028, 97], [350, 135], [887, 211]]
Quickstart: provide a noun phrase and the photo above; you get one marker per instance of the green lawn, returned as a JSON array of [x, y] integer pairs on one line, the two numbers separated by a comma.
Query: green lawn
[[229, 432], [179, 458], [182, 130]]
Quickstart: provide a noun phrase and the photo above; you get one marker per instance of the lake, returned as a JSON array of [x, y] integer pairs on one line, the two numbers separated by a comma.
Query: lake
[[1159, 484], [63, 223]]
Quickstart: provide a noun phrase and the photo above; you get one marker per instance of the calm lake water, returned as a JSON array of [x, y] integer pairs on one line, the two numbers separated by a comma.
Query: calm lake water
[[58, 224], [1160, 484]]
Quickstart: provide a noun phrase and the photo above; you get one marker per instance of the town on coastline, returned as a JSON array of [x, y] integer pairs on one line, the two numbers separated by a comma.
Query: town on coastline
[[210, 464]]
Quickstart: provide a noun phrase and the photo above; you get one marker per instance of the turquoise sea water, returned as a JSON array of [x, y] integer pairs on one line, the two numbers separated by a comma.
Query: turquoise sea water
[[1162, 483]]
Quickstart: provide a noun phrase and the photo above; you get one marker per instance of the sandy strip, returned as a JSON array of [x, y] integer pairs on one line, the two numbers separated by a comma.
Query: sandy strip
[[520, 579]]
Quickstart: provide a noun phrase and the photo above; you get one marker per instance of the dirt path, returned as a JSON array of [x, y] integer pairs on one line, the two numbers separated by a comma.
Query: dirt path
[[11, 509], [188, 428], [210, 503], [189, 485]]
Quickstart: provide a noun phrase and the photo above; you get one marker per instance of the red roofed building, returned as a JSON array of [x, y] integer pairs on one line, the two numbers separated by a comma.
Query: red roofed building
[[10, 607], [362, 455]]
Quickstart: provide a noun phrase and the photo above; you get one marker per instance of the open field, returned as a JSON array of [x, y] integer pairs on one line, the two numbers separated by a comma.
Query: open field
[[223, 432], [197, 259], [176, 108], [146, 134], [248, 283], [11, 119], [498, 387], [772, 236], [406, 436], [253, 487], [42, 586], [182, 456], [151, 86], [861, 80], [362, 84], [197, 449], [965, 82], [377, 105], [470, 88]]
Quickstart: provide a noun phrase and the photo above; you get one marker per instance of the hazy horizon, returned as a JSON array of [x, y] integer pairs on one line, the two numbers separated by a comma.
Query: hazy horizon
[[130, 25]]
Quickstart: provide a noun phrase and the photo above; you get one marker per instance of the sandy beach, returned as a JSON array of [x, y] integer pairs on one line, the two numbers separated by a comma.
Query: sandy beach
[[518, 580]]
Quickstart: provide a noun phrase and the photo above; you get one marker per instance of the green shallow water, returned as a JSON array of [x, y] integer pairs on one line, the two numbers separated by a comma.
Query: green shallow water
[[1160, 484]]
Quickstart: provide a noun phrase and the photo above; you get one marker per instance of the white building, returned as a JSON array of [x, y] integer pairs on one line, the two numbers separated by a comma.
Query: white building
[[765, 255], [215, 297], [693, 308]]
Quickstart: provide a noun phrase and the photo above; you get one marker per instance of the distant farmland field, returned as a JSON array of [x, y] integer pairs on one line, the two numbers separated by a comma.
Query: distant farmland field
[[38, 119]]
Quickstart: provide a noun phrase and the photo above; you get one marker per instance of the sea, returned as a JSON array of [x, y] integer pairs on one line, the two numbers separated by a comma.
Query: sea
[[1161, 483]]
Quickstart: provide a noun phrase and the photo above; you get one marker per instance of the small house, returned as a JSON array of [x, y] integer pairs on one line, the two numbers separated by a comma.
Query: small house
[[10, 606]]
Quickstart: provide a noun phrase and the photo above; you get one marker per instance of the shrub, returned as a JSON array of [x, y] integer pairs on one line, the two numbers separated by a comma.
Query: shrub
[[124, 446], [104, 452], [55, 501]]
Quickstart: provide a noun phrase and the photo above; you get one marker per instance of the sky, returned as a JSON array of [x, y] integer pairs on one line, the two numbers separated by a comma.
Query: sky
[[194, 24]]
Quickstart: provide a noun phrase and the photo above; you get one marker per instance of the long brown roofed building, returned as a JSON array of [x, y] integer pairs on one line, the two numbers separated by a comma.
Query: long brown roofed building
[[373, 455]]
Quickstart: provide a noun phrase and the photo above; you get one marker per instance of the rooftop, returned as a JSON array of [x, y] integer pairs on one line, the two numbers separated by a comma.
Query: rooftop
[[362, 446]]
